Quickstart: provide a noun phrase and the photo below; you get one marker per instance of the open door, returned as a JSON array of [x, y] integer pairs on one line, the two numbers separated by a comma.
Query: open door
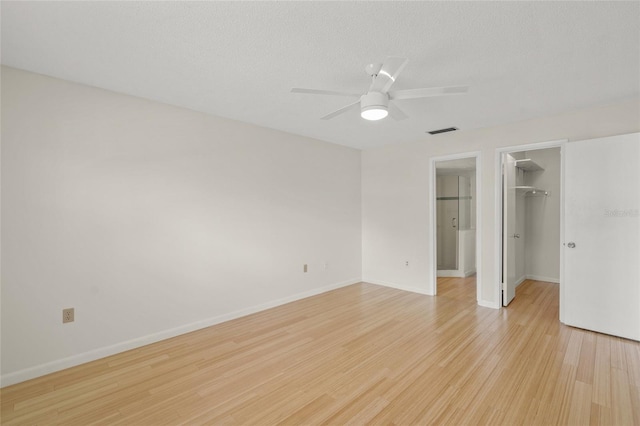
[[602, 235], [508, 228]]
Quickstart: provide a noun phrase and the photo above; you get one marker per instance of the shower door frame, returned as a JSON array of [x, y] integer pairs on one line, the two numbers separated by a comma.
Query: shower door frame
[[443, 207]]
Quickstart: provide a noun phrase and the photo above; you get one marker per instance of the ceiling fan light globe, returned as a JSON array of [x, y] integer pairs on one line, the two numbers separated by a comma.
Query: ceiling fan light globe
[[374, 113], [373, 106]]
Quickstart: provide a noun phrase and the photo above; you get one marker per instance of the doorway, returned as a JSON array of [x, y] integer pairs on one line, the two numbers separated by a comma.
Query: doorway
[[455, 218], [530, 185]]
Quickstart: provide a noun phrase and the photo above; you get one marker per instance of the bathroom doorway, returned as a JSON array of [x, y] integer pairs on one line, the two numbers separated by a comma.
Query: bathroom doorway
[[454, 210]]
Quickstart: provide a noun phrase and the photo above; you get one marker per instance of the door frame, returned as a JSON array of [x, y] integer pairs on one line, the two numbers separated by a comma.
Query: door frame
[[560, 143], [509, 229], [433, 279]]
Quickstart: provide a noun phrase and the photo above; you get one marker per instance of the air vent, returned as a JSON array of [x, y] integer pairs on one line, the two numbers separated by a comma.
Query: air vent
[[448, 129]]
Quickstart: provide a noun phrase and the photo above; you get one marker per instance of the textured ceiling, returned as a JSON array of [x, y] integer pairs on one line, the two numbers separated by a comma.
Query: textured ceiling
[[240, 59]]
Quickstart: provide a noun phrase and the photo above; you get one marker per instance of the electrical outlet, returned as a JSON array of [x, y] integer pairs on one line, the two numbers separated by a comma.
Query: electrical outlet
[[68, 315], [304, 268], [326, 265], [406, 263]]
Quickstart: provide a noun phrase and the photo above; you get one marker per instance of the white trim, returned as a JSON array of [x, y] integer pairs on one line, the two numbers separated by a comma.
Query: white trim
[[498, 208], [72, 361], [469, 273], [545, 279], [399, 287], [479, 237], [432, 279], [520, 280], [561, 277], [488, 304]]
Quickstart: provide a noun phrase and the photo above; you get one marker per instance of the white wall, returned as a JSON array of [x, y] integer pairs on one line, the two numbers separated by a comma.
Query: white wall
[[395, 189], [467, 265], [542, 248], [152, 220]]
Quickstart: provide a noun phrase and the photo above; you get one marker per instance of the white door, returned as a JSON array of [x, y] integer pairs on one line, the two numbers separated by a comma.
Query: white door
[[602, 235], [508, 229]]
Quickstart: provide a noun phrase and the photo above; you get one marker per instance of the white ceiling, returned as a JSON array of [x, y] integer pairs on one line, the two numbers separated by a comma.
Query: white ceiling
[[240, 59]]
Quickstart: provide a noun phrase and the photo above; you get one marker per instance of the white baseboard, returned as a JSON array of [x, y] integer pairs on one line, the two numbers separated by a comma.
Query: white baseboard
[[446, 273], [487, 304], [520, 280], [541, 278], [399, 287], [72, 361]]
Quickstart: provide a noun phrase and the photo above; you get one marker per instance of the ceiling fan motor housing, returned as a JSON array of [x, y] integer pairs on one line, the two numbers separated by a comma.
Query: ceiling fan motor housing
[[373, 100]]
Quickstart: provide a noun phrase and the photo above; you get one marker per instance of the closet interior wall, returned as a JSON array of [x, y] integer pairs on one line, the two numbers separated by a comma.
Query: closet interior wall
[[538, 218]]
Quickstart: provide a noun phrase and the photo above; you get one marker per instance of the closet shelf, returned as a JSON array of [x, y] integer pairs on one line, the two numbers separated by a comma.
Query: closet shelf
[[532, 190], [528, 165]]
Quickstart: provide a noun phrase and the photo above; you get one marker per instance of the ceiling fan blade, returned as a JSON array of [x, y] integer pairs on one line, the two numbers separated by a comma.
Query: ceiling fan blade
[[323, 92], [396, 113], [428, 92], [387, 75], [341, 110]]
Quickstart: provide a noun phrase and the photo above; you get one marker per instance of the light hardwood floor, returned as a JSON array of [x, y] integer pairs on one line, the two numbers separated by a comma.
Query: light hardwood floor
[[356, 355]]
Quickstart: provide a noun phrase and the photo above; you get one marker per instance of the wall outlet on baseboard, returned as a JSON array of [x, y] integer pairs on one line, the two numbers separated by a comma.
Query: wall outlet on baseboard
[[68, 315]]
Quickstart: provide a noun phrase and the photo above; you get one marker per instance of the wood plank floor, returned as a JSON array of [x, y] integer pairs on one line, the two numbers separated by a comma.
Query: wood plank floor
[[363, 354]]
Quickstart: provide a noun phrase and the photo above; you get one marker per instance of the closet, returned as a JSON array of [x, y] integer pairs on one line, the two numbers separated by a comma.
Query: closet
[[531, 218]]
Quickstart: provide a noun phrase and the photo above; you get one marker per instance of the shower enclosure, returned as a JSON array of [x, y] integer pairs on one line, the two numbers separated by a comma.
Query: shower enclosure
[[455, 220]]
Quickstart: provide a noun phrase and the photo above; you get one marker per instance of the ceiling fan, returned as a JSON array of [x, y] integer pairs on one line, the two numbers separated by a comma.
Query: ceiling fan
[[376, 103]]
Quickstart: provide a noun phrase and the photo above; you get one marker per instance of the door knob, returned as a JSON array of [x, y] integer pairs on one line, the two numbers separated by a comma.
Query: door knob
[[516, 235], [571, 244]]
